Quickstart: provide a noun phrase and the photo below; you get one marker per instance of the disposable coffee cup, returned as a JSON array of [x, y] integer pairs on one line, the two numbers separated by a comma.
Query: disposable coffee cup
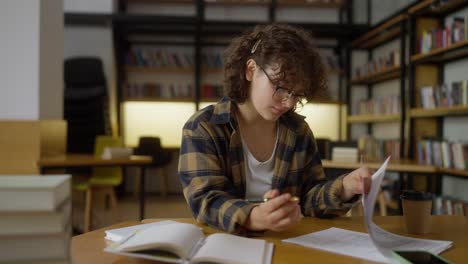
[[417, 207]]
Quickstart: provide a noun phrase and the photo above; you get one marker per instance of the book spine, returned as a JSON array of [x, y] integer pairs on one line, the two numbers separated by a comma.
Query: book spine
[[195, 249]]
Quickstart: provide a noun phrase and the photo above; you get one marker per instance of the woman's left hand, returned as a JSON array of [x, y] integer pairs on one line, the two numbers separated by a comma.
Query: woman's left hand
[[357, 182]]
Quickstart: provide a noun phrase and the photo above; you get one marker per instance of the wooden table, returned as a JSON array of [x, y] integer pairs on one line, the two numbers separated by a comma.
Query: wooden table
[[83, 160], [88, 248]]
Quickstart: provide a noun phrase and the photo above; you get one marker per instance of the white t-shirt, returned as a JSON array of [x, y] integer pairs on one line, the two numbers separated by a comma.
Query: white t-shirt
[[258, 175]]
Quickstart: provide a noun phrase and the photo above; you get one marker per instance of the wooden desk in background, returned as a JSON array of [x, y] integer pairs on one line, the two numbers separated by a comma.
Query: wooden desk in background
[[88, 248], [402, 167], [83, 160], [396, 166]]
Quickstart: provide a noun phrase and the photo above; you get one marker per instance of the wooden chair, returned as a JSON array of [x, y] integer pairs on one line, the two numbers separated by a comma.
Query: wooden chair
[[102, 180]]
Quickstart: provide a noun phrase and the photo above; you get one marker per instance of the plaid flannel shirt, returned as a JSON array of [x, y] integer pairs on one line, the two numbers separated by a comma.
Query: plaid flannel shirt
[[212, 169]]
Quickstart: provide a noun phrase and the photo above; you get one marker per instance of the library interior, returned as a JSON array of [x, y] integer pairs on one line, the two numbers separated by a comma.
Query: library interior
[[113, 131]]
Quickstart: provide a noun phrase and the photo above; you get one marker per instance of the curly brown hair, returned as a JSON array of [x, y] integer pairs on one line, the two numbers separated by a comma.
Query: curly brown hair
[[292, 48]]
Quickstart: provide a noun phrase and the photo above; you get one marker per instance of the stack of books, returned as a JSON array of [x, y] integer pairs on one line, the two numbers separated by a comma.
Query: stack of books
[[35, 219], [345, 154]]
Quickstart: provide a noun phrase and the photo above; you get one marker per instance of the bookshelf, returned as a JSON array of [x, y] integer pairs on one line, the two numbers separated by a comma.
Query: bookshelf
[[196, 29], [427, 124], [372, 118], [419, 69], [384, 49], [201, 30], [439, 112], [383, 75], [396, 166], [317, 4], [381, 33]]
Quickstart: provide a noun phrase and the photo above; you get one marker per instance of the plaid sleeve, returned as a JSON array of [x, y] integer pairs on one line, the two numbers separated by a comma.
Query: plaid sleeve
[[211, 195], [322, 196]]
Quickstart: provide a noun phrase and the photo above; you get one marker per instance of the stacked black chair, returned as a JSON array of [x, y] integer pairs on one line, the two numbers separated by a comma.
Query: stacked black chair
[[85, 103], [151, 146]]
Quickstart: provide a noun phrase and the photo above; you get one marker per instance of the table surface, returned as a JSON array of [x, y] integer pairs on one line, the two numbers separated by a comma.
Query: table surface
[[90, 160], [88, 248], [77, 160]]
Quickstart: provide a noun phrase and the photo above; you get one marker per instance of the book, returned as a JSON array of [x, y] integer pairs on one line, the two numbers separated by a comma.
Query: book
[[119, 234], [186, 243], [35, 222], [344, 154], [33, 193], [35, 247]]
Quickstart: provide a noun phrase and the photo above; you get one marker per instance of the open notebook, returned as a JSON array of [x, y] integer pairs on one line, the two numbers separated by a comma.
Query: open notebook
[[186, 243]]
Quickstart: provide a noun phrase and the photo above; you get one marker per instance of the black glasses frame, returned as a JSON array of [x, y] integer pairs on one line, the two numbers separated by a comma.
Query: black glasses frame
[[285, 93]]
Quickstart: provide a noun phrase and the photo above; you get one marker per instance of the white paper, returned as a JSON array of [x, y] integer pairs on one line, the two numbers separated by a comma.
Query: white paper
[[385, 241], [341, 241], [378, 244], [119, 234], [116, 153]]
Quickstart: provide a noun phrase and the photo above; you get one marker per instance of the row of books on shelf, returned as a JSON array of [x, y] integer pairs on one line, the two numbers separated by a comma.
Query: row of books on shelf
[[337, 2], [379, 106], [35, 219], [437, 38], [443, 153], [159, 90], [165, 58], [374, 149], [209, 90], [445, 95], [378, 64], [444, 205], [159, 58], [331, 62]]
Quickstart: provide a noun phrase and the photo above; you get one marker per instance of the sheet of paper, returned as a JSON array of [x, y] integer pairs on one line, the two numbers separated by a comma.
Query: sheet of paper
[[385, 241], [341, 241], [377, 244]]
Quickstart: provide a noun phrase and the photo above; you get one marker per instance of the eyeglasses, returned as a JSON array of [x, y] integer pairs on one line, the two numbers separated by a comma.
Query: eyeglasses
[[282, 94]]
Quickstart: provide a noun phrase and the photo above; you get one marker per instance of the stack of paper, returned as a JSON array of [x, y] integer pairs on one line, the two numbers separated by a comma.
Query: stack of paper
[[376, 245], [344, 154], [35, 216]]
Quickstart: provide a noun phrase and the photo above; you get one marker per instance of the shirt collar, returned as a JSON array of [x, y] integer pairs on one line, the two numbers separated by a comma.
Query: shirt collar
[[223, 113]]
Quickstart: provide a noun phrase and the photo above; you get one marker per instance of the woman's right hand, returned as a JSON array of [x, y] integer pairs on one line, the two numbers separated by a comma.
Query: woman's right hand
[[277, 214]]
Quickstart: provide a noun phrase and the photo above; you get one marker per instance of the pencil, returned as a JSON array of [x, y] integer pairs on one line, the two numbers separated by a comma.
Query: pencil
[[264, 200]]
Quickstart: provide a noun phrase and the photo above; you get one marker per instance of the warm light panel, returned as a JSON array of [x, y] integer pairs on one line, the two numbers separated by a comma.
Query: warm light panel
[[323, 119], [161, 119]]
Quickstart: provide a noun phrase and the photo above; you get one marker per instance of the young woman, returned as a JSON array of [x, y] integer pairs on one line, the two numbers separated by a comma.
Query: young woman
[[252, 144]]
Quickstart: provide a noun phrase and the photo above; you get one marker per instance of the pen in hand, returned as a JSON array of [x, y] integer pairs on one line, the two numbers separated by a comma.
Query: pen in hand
[[264, 200], [361, 164]]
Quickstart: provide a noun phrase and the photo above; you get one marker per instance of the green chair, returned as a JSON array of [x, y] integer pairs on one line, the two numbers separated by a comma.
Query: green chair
[[102, 180]]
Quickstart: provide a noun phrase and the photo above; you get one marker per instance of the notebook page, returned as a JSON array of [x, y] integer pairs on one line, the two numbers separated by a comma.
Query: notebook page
[[179, 237], [119, 234], [341, 241], [231, 249]]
